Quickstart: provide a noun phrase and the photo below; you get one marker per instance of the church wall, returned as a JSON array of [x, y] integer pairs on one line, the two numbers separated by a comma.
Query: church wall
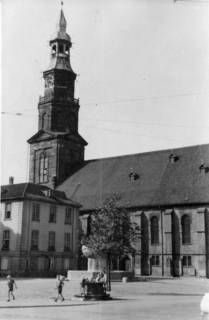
[[196, 248], [206, 220], [69, 153], [170, 248], [44, 117], [64, 116], [136, 218], [167, 241], [50, 146]]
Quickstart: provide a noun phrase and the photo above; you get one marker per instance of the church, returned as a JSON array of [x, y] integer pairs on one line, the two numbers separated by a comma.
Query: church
[[165, 192]]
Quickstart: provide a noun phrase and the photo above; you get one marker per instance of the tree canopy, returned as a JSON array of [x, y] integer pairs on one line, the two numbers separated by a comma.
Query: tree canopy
[[110, 230]]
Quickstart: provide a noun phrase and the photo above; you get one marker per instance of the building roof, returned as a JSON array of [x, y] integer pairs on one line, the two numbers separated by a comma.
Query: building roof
[[33, 191], [60, 63], [42, 135], [160, 178]]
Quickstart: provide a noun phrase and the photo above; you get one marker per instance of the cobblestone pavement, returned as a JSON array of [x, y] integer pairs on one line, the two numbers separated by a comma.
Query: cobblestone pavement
[[155, 299]]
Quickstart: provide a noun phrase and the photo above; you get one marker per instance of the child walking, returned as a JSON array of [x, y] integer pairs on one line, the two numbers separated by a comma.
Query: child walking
[[59, 285], [11, 284]]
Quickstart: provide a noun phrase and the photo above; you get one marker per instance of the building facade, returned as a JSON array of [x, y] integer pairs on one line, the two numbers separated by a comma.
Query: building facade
[[169, 200], [166, 192], [39, 230]]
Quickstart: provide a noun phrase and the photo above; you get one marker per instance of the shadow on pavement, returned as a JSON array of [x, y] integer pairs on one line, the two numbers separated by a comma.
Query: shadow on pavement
[[175, 294], [45, 306], [122, 299]]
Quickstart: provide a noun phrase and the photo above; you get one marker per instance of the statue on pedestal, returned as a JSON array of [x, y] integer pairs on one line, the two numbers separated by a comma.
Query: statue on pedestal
[[94, 286]]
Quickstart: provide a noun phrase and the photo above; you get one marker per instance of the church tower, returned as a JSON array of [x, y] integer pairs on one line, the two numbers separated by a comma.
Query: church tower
[[57, 146]]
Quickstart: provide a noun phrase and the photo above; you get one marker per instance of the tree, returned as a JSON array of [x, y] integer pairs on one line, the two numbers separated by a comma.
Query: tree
[[111, 232]]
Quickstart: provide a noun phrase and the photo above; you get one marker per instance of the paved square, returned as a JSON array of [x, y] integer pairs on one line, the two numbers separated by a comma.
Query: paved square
[[159, 299]]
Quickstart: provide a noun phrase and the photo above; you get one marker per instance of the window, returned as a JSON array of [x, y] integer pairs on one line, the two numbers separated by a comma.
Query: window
[[6, 238], [52, 214], [4, 263], [61, 48], [68, 215], [35, 212], [8, 206], [67, 49], [43, 168], [155, 260], [43, 120], [66, 263], [187, 261], [133, 176], [204, 168], [173, 158], [154, 225], [34, 239], [54, 49], [67, 242], [51, 244], [186, 230]]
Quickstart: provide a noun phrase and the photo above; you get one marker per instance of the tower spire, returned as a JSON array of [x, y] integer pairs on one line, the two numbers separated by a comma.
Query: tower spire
[[63, 147], [62, 22]]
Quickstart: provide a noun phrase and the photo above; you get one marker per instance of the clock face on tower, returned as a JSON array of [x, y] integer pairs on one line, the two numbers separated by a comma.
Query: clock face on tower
[[49, 82]]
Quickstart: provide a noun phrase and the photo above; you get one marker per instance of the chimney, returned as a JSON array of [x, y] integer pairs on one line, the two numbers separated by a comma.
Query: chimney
[[11, 180]]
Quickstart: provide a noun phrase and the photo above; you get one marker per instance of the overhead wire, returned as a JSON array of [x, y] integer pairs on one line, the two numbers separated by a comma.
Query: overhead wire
[[146, 98], [84, 119], [130, 100], [192, 1], [147, 123], [200, 126], [133, 133]]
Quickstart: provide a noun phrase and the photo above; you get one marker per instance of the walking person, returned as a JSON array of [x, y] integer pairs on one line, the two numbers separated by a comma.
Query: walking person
[[104, 280], [59, 286], [83, 283], [11, 284]]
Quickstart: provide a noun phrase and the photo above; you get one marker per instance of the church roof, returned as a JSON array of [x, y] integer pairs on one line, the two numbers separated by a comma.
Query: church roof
[[160, 178], [60, 63], [20, 191], [48, 135]]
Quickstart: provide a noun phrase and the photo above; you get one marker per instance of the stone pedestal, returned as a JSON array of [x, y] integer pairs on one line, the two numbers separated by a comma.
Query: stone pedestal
[[95, 291], [89, 287], [97, 265]]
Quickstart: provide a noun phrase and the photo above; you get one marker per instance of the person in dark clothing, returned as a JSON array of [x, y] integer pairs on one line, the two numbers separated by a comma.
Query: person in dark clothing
[[59, 285], [83, 283], [11, 284]]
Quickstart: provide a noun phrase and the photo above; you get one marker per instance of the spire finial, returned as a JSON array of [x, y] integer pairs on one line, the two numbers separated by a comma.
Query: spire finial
[[62, 21]]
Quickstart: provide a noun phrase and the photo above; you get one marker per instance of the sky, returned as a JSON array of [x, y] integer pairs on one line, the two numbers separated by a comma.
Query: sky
[[143, 74]]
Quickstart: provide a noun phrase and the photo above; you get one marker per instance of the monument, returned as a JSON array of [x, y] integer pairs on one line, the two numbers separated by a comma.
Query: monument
[[94, 286]]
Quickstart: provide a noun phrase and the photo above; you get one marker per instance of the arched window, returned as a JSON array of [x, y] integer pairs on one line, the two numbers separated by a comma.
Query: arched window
[[54, 49], [186, 229], [43, 168], [154, 225], [67, 49], [61, 48], [43, 120]]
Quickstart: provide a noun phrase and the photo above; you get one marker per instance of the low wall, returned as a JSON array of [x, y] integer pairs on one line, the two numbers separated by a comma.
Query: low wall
[[78, 274], [114, 275], [119, 275]]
